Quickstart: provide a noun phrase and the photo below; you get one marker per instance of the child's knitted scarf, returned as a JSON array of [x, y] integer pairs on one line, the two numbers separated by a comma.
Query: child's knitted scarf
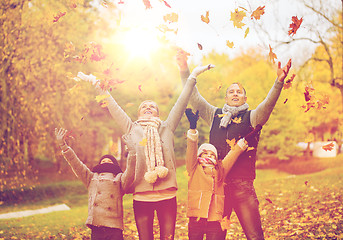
[[153, 150], [209, 161]]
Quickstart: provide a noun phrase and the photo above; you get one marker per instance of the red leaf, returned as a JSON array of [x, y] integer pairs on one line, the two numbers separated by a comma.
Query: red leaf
[[294, 26], [58, 16], [165, 3], [288, 83], [147, 4], [328, 147], [140, 88], [199, 46], [270, 201]]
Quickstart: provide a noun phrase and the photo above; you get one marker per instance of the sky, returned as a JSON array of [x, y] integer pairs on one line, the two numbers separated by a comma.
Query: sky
[[213, 36]]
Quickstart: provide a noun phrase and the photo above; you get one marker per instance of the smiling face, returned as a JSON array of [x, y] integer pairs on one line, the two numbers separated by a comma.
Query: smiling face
[[235, 95], [148, 109], [208, 154]]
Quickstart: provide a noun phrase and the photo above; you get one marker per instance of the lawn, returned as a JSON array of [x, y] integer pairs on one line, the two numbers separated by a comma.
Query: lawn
[[307, 206]]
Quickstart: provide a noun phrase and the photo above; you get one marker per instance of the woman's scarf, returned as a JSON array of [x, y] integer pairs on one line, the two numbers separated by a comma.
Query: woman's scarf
[[153, 150], [231, 112]]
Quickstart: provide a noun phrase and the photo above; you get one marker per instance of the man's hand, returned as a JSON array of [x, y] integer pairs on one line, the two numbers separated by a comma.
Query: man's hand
[[200, 69], [131, 146], [282, 72], [60, 134]]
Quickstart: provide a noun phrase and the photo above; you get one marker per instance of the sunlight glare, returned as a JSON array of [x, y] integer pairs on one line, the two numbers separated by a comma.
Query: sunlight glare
[[140, 42]]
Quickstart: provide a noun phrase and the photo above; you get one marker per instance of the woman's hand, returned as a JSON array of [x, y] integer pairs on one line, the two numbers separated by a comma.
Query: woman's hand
[[200, 69], [60, 134]]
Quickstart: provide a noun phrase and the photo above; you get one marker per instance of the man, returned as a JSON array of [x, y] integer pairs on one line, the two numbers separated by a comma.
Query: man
[[240, 193]]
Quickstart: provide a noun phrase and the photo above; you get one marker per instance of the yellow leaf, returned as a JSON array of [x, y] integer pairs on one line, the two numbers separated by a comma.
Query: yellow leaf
[[246, 32], [237, 18], [231, 142], [221, 115], [143, 142], [100, 98], [237, 120], [229, 44], [272, 56], [250, 148], [206, 18]]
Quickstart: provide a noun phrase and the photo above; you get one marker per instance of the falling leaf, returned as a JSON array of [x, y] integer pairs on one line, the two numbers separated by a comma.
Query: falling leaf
[[229, 44], [68, 49], [294, 26], [306, 183], [246, 32], [328, 147], [257, 13], [165, 3], [237, 120], [130, 104], [199, 46], [237, 18], [172, 17], [104, 104], [221, 115], [231, 142], [250, 148], [143, 142], [206, 18], [270, 201], [272, 56], [225, 223], [147, 4], [140, 88], [58, 16], [288, 83], [100, 98], [285, 101]]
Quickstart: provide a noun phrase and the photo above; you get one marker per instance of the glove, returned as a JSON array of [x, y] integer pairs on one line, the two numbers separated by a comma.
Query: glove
[[251, 136], [60, 134], [200, 69], [242, 144], [192, 118], [88, 78]]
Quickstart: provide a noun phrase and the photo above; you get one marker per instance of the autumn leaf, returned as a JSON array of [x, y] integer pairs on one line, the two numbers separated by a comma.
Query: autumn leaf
[[257, 13], [199, 46], [285, 101], [163, 28], [96, 54], [206, 18], [225, 223], [229, 44], [231, 142], [58, 16], [294, 26], [250, 148], [165, 3], [328, 147], [172, 17], [246, 32], [68, 49], [237, 18], [140, 88], [221, 115], [288, 83], [143, 142], [272, 55], [268, 200], [237, 120], [147, 4], [100, 98], [104, 104]]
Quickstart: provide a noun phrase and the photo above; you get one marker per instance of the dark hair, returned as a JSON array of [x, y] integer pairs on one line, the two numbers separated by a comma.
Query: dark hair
[[113, 159], [239, 84], [220, 171]]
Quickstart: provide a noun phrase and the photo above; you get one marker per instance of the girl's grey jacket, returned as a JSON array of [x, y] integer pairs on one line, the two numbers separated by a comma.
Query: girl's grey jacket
[[105, 191]]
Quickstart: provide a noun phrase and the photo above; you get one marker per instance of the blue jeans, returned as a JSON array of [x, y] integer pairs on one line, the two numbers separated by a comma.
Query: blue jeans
[[240, 196], [106, 233], [166, 214], [212, 229]]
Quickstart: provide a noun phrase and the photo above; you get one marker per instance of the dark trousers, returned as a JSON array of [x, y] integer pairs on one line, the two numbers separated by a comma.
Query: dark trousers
[[212, 229], [166, 214], [106, 233], [240, 196]]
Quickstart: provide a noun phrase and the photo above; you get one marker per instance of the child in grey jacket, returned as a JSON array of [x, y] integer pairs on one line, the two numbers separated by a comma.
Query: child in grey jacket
[[106, 185]]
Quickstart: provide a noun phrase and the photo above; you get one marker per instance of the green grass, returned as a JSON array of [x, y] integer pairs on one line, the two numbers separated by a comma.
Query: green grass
[[306, 206]]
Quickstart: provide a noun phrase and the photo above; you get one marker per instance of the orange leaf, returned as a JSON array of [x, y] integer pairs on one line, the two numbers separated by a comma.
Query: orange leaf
[[237, 120], [147, 4], [206, 18], [58, 16], [288, 83], [229, 44], [246, 32], [237, 18], [294, 26], [225, 223], [165, 3], [231, 142], [328, 147], [172, 17], [272, 56], [257, 13]]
